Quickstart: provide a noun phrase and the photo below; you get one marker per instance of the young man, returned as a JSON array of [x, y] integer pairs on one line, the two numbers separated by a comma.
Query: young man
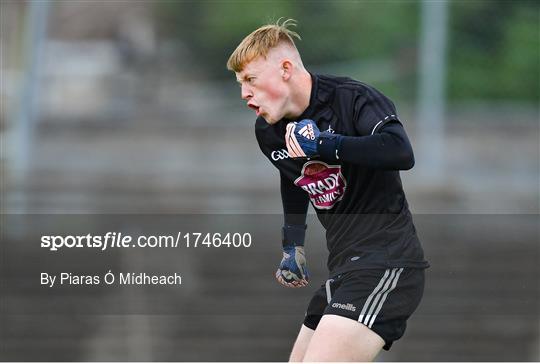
[[339, 144]]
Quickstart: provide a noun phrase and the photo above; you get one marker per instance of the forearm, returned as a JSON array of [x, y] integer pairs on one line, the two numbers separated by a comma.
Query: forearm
[[389, 149], [292, 271], [295, 203]]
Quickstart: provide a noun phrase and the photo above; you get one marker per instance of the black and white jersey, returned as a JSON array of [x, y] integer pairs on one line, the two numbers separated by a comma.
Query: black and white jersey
[[363, 208]]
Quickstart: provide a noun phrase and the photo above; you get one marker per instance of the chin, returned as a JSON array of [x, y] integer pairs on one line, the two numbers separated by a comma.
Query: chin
[[270, 120]]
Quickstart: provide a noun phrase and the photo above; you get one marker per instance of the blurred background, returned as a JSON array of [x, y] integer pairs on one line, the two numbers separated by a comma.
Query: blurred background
[[126, 107]]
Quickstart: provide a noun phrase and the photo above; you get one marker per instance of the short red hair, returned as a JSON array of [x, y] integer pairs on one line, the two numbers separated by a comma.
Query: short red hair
[[259, 43]]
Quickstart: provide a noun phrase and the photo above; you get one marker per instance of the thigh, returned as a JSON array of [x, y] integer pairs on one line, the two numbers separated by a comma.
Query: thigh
[[380, 300], [341, 339], [301, 344], [366, 306]]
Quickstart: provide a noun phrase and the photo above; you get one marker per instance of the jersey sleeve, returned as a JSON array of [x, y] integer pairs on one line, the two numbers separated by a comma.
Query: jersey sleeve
[[295, 202], [388, 149], [372, 110]]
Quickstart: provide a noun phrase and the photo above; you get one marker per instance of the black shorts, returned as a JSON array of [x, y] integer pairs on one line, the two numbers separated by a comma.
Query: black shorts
[[381, 299]]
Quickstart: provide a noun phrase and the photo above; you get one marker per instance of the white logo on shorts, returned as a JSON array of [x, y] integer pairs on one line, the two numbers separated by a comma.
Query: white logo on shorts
[[348, 306]]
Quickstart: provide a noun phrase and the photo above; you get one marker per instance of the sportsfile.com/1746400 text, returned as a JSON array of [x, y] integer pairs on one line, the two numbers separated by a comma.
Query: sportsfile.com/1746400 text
[[121, 240]]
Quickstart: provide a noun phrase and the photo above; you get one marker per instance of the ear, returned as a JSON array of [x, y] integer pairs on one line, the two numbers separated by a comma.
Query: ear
[[286, 69]]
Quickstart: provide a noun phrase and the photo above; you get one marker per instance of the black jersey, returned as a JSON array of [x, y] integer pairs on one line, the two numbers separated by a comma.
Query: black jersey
[[363, 209]]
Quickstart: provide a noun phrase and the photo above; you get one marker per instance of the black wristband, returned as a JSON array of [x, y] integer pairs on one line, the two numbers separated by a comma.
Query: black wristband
[[328, 146], [293, 235]]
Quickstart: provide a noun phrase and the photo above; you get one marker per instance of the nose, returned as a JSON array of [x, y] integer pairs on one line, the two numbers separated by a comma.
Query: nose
[[246, 92]]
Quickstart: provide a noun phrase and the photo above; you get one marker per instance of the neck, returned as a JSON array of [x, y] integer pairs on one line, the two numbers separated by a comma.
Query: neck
[[300, 95]]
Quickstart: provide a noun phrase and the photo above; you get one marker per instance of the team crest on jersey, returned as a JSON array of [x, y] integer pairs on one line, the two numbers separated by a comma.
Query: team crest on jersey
[[324, 184]]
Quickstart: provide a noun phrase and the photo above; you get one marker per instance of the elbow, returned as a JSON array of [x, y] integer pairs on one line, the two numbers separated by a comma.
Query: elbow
[[403, 152], [407, 160], [409, 163]]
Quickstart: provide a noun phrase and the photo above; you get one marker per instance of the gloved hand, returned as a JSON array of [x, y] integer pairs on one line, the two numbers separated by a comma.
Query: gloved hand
[[292, 271], [304, 140], [301, 139]]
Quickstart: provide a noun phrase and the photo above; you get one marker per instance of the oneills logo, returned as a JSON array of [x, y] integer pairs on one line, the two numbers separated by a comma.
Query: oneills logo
[[348, 306], [324, 184]]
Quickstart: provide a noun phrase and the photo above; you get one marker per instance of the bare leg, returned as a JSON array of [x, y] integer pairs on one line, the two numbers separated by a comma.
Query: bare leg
[[301, 344], [341, 339]]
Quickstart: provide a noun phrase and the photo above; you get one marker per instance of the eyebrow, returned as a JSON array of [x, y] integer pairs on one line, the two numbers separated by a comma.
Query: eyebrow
[[244, 78]]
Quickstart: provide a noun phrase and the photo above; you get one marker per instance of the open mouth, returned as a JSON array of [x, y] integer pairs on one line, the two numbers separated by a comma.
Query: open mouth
[[255, 108]]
